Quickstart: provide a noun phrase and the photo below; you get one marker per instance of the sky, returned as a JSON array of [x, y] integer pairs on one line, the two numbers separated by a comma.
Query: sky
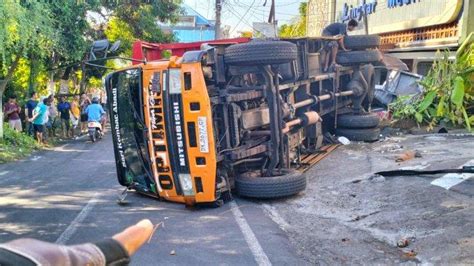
[[239, 14]]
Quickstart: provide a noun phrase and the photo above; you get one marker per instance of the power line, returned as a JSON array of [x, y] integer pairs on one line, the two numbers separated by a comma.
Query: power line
[[248, 9], [246, 23]]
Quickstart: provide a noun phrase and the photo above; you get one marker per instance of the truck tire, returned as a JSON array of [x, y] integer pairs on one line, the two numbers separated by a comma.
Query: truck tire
[[361, 42], [359, 134], [290, 183], [358, 57], [260, 53], [369, 120]]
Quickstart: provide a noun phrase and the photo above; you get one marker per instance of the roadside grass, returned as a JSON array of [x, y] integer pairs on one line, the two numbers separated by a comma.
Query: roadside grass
[[16, 145]]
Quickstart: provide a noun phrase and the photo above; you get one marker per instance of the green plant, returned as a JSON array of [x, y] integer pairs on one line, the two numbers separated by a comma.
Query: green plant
[[448, 95], [15, 145]]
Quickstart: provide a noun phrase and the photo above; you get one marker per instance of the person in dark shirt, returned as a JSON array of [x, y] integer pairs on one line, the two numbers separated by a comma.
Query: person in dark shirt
[[64, 109], [29, 107], [331, 48], [12, 111]]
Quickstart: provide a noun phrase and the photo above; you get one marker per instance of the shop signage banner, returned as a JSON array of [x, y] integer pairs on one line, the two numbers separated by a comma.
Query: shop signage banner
[[350, 12]]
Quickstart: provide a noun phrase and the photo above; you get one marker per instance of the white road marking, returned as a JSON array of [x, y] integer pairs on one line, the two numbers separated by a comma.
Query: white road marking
[[257, 251], [71, 229], [276, 217], [4, 172], [450, 180]]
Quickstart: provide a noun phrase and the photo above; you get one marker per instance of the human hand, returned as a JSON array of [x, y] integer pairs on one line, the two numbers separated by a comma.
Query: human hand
[[133, 237], [106, 252]]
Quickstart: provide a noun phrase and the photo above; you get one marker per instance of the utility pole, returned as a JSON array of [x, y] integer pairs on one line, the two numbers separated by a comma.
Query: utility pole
[[271, 17], [366, 24], [218, 19]]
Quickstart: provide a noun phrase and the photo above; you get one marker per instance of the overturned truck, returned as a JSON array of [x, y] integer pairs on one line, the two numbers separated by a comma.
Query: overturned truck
[[236, 117]]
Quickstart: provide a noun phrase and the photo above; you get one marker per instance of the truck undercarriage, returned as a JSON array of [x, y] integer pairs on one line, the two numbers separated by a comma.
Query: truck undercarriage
[[233, 118]]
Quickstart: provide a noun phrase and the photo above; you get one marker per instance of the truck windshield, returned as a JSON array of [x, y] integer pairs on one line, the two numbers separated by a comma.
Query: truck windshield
[[124, 91]]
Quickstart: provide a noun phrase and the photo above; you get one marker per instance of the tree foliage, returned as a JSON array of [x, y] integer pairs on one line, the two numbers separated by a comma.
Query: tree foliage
[[137, 20], [39, 38], [26, 28], [297, 28]]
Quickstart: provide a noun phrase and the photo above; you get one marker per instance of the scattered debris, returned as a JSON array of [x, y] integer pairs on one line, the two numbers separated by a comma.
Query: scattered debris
[[363, 216], [408, 155], [402, 243], [377, 178], [355, 218], [390, 148], [154, 230], [398, 83], [410, 254], [344, 140], [454, 205]]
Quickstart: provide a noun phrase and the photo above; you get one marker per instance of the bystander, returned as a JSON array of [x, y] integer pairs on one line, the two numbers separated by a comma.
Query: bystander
[[85, 101], [51, 124], [75, 113], [12, 111], [29, 107], [64, 108], [39, 119]]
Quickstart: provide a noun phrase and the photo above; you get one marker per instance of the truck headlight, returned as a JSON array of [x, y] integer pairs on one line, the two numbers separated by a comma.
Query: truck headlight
[[186, 184]]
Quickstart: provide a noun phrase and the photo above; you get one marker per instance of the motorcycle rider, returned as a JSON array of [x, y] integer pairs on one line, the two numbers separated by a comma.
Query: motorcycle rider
[[95, 112]]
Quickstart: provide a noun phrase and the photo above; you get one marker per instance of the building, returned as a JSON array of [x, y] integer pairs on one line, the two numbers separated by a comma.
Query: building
[[191, 26], [412, 30]]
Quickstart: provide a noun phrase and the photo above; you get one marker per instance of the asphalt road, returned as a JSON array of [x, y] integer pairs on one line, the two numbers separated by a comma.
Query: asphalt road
[[68, 195]]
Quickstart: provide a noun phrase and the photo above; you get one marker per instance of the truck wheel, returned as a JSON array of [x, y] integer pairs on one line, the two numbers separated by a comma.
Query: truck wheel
[[359, 134], [358, 57], [361, 42], [260, 53], [369, 120], [290, 183]]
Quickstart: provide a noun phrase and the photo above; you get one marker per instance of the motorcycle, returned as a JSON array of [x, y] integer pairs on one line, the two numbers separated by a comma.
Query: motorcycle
[[95, 130]]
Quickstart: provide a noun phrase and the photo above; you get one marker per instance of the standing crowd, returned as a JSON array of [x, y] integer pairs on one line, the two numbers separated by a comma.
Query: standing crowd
[[48, 117]]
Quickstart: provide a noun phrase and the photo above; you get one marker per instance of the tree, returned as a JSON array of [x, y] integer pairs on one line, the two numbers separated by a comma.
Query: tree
[[39, 38], [25, 26], [297, 28], [137, 20], [246, 34]]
